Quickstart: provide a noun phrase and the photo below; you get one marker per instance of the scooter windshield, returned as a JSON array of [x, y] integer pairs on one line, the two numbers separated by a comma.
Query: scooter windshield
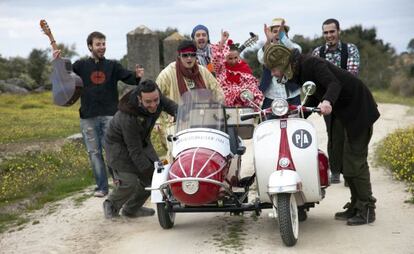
[[199, 108]]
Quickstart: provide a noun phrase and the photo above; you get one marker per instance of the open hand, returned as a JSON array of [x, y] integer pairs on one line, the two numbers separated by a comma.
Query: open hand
[[56, 53]]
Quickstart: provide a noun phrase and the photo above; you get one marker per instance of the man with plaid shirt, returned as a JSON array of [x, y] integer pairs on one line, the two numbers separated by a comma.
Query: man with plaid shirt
[[345, 56]]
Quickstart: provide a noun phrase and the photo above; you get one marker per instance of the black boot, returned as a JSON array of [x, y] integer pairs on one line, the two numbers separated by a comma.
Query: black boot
[[109, 210], [350, 206], [362, 217], [140, 212], [348, 213], [302, 214]]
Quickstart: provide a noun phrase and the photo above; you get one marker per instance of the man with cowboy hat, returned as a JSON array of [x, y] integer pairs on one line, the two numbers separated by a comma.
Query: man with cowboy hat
[[277, 33], [341, 94]]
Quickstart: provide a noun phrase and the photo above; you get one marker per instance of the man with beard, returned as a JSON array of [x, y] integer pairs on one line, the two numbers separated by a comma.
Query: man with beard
[[341, 94], [99, 101], [233, 74], [129, 150], [201, 38], [345, 56]]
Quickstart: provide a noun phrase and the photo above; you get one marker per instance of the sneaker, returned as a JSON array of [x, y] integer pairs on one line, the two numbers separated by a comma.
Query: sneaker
[[100, 194], [141, 212], [109, 210], [335, 178]]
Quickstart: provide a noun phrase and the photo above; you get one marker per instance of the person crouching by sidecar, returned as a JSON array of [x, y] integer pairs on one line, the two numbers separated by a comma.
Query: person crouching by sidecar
[[129, 150], [341, 94]]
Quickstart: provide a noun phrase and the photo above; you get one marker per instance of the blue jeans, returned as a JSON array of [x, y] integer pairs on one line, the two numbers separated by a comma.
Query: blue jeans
[[93, 132]]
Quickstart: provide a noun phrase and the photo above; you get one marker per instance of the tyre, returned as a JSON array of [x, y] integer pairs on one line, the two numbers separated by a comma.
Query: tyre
[[288, 218], [165, 217]]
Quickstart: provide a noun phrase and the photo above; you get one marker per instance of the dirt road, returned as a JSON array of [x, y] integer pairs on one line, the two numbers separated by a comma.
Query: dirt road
[[66, 228]]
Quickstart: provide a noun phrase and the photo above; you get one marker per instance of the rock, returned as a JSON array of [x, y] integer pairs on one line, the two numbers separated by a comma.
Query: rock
[[11, 88], [75, 137], [40, 89]]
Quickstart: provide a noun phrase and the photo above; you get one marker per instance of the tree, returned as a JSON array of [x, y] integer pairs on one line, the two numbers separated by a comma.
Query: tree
[[37, 62], [3, 68], [410, 46], [376, 56], [68, 51]]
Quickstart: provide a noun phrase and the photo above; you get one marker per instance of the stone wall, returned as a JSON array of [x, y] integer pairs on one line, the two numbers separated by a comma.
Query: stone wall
[[170, 45], [143, 48]]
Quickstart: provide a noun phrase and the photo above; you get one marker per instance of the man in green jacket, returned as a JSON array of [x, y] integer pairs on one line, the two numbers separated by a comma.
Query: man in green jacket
[[130, 152]]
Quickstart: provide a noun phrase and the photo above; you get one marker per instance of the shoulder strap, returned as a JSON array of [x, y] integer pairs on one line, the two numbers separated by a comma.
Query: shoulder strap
[[322, 51], [344, 56]]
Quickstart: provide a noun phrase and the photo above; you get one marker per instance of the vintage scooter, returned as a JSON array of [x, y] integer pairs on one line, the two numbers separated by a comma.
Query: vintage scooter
[[204, 174], [291, 172]]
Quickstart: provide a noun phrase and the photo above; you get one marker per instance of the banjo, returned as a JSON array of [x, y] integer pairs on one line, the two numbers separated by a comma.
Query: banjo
[[66, 85]]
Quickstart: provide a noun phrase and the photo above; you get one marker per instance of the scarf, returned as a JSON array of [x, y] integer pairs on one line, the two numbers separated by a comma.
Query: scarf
[[233, 73], [192, 74], [204, 55]]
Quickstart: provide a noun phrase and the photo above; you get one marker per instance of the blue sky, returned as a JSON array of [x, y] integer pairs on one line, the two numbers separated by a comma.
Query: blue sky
[[71, 21]]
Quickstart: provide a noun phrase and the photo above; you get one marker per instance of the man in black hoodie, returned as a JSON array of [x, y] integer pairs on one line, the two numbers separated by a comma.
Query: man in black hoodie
[[341, 94], [130, 152]]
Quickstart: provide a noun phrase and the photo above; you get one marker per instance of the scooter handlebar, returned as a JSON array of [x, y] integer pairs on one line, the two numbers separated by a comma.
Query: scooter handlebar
[[247, 116]]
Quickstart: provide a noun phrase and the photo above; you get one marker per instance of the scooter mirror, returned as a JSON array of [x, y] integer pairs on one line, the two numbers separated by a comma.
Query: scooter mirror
[[309, 88], [246, 95]]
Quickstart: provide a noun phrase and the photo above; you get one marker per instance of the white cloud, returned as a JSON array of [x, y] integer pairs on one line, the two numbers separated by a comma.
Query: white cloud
[[72, 21]]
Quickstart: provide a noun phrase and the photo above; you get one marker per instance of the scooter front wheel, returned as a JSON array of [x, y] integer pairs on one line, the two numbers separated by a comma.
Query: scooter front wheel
[[287, 211], [165, 217]]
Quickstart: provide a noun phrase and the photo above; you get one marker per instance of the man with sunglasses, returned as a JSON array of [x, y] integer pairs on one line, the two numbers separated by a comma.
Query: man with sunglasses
[[345, 56], [185, 73]]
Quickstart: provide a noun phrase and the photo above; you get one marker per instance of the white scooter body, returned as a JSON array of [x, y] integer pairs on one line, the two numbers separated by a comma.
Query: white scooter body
[[305, 181]]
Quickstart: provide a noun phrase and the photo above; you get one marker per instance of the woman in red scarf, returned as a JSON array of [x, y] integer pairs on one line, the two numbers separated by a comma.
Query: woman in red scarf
[[233, 74]]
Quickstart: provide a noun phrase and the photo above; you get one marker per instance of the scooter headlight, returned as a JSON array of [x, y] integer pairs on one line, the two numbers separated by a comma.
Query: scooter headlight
[[190, 187], [284, 162], [280, 107]]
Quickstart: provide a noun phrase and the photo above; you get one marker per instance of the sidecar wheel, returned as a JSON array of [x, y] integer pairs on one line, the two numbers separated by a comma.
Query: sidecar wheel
[[288, 218], [165, 217]]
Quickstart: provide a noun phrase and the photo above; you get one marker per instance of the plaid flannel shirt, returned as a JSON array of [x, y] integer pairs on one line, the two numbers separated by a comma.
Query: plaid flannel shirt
[[335, 57]]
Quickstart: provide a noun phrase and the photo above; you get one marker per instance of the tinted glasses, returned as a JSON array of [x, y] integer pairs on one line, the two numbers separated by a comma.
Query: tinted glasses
[[185, 55]]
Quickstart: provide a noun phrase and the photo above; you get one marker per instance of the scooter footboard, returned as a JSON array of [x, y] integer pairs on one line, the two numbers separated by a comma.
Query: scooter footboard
[[284, 181]]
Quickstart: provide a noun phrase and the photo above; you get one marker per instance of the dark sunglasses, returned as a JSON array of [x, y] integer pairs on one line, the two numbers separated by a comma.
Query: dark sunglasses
[[185, 55]]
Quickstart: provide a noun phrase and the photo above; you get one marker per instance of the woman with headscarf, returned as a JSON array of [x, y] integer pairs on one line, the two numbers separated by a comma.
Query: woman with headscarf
[[233, 74]]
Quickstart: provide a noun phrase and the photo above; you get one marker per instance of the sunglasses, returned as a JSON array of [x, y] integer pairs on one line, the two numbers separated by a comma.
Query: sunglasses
[[185, 55]]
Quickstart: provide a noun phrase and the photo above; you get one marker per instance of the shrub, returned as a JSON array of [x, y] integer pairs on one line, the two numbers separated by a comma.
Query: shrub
[[38, 172], [396, 152]]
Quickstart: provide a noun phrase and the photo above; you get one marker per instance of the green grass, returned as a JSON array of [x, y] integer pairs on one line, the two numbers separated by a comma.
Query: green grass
[[34, 117], [388, 97], [29, 181]]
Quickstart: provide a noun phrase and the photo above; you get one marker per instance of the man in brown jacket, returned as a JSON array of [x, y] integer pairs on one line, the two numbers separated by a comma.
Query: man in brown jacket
[[346, 97], [129, 150]]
